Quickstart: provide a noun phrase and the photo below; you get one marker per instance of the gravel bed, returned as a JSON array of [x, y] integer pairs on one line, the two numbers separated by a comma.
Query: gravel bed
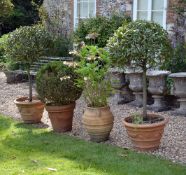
[[173, 144]]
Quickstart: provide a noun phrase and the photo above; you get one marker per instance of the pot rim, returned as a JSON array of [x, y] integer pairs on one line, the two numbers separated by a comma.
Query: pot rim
[[71, 104], [95, 108], [132, 125], [59, 108], [21, 101]]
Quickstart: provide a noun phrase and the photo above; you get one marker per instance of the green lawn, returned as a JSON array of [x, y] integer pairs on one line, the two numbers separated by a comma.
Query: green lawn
[[34, 151]]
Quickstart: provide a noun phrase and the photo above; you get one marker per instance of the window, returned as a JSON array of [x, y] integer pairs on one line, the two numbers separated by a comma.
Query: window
[[151, 10], [83, 9]]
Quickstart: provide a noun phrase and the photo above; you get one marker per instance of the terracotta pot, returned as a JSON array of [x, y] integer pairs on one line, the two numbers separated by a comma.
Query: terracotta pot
[[31, 112], [146, 136], [98, 122], [61, 117]]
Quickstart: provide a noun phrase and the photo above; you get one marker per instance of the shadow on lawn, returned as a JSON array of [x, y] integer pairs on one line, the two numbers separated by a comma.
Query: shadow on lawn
[[40, 125]]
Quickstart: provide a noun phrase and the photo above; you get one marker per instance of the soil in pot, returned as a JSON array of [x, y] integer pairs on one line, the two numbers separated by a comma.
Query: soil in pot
[[98, 122], [61, 117], [31, 112], [146, 136]]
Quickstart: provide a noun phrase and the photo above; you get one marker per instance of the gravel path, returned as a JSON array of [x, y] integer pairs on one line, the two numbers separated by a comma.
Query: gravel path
[[173, 145]]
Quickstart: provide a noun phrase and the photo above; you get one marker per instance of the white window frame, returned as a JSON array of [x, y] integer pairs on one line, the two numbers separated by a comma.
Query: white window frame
[[149, 11], [75, 11]]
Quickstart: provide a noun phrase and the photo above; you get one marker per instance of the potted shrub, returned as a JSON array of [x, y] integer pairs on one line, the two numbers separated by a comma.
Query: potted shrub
[[143, 45], [92, 68], [26, 45], [56, 86]]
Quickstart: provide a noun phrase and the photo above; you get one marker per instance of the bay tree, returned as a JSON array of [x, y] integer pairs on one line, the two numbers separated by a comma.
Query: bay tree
[[142, 45], [27, 45]]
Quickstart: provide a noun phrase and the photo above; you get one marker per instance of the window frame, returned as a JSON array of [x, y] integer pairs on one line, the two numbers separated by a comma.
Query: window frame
[[75, 11], [149, 12]]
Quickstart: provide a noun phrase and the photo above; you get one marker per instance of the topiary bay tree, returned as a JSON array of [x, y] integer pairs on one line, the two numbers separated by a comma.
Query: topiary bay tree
[[27, 45], [140, 44]]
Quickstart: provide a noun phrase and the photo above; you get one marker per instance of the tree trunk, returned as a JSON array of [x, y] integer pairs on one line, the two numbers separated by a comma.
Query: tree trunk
[[30, 85], [144, 93]]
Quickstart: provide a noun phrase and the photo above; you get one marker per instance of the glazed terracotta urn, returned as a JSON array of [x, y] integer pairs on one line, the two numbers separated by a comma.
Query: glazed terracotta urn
[[98, 122], [157, 87], [179, 90], [136, 85]]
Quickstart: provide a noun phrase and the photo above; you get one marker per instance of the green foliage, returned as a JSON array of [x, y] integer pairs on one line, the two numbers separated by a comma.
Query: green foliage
[[5, 7], [177, 63], [27, 44], [56, 84], [137, 119], [24, 13], [62, 46], [140, 43], [2, 49], [101, 26], [92, 69]]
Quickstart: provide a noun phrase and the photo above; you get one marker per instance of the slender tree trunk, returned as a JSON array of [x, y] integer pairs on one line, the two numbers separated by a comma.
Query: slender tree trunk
[[144, 93], [30, 85]]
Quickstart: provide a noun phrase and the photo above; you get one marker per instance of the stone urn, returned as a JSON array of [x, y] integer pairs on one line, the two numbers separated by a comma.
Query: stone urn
[[157, 87], [122, 92], [136, 85], [16, 76], [179, 90]]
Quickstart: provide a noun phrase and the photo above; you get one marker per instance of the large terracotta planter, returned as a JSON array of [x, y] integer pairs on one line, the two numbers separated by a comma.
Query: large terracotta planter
[[98, 122], [31, 112], [61, 117], [146, 136]]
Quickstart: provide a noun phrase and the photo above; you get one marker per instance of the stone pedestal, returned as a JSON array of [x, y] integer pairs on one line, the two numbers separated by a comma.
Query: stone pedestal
[[126, 95], [136, 85], [138, 102], [157, 87], [122, 93], [179, 90]]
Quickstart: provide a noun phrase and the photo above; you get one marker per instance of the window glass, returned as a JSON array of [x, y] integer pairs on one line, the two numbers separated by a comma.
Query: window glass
[[157, 17], [142, 4], [84, 9], [142, 15], [157, 5], [153, 10]]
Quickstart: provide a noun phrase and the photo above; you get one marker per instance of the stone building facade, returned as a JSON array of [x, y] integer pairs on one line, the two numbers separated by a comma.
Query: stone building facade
[[62, 12]]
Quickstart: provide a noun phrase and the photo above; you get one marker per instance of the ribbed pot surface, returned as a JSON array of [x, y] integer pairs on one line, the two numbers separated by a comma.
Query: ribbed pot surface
[[98, 122], [61, 117], [31, 112], [146, 136]]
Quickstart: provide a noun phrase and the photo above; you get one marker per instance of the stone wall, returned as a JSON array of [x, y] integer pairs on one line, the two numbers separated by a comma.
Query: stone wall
[[107, 7], [176, 24], [58, 16]]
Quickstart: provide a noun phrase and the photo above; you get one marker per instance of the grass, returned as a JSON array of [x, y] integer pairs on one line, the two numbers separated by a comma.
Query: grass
[[29, 150]]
